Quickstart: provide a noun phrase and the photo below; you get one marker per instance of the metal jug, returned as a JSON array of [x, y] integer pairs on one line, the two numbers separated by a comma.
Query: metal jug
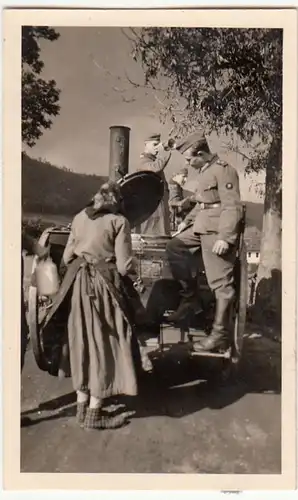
[[47, 278]]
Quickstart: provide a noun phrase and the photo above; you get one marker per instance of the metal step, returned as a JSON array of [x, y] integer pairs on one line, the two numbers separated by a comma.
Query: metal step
[[208, 354], [192, 332], [152, 342]]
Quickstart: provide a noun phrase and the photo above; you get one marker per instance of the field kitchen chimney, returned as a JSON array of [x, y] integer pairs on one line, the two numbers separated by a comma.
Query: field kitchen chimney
[[119, 152]]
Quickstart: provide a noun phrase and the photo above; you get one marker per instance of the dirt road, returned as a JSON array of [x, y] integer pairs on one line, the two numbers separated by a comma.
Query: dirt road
[[182, 424]]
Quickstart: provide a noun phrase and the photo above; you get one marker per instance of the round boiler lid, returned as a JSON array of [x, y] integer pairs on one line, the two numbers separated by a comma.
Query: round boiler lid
[[141, 193]]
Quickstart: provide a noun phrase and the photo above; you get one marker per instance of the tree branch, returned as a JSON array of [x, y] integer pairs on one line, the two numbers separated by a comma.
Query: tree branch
[[235, 149], [148, 86], [126, 35]]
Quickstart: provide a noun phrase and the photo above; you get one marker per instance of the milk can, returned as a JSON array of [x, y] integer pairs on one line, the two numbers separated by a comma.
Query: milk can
[[47, 278]]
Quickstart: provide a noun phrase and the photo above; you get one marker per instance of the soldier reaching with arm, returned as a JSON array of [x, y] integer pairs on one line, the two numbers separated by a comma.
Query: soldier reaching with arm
[[212, 227], [155, 158]]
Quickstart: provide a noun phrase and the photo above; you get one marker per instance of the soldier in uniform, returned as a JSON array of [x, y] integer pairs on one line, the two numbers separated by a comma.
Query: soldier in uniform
[[155, 158], [176, 184], [212, 226]]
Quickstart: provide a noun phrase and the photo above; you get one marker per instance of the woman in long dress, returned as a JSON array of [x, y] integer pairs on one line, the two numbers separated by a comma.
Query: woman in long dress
[[100, 327]]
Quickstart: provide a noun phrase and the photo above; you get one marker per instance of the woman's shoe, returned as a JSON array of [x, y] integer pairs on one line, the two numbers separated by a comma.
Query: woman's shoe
[[97, 419]]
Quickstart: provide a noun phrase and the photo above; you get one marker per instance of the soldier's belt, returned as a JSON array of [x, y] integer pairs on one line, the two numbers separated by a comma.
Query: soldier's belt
[[203, 206]]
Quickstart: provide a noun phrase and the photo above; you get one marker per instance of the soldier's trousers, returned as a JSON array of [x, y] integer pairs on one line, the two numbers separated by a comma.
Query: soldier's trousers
[[219, 269]]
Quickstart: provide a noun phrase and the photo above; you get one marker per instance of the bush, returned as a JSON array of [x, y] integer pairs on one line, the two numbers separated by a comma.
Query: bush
[[34, 227]]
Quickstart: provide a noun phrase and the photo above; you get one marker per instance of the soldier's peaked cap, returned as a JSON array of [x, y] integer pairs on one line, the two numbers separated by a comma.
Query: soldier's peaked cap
[[153, 137], [195, 139]]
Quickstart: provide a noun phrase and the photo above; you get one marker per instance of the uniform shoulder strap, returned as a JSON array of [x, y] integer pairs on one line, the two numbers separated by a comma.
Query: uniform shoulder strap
[[222, 163], [147, 156], [210, 163]]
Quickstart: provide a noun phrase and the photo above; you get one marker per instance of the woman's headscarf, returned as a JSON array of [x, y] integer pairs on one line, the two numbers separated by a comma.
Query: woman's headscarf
[[106, 200]]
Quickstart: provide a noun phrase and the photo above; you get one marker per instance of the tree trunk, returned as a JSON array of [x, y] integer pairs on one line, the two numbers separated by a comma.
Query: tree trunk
[[268, 287]]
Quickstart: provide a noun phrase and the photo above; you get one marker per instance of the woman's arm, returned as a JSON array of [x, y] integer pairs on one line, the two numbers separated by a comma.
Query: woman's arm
[[123, 248], [68, 253], [32, 246]]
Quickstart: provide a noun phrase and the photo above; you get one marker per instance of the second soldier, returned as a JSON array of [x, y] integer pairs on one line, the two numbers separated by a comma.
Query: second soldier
[[212, 226]]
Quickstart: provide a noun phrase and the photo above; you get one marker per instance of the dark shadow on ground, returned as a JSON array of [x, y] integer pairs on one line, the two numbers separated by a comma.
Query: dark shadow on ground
[[181, 386]]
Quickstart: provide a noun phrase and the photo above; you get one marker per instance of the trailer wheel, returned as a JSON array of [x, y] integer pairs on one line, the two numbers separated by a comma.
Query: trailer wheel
[[36, 310], [239, 313]]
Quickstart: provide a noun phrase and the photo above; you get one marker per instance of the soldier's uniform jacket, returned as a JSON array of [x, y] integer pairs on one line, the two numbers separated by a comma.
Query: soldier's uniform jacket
[[218, 182], [159, 222]]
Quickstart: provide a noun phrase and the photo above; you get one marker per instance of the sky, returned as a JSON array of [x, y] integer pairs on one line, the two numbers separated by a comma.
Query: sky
[[90, 67]]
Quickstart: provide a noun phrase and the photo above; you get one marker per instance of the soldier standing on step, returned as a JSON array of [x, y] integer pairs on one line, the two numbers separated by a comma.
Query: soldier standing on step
[[211, 227]]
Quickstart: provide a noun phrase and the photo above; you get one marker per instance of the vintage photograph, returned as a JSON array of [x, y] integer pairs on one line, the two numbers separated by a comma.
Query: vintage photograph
[[151, 241], [151, 232]]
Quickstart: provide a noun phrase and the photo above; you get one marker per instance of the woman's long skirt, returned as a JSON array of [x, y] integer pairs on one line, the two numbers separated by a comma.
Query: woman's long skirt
[[100, 338]]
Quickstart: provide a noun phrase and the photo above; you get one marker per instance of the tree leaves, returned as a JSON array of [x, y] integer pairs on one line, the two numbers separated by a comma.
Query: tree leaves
[[40, 98], [231, 79]]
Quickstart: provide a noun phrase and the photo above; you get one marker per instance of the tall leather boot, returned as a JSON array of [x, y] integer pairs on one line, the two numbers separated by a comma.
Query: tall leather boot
[[189, 302], [219, 339]]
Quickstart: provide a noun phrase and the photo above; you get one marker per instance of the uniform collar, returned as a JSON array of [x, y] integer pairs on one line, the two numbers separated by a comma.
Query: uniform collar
[[209, 163], [148, 155]]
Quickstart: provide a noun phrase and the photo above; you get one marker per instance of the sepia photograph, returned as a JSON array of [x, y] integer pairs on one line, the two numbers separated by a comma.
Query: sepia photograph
[[152, 222]]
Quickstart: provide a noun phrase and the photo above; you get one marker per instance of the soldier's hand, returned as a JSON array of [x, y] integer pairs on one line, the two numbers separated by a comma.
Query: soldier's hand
[[182, 204], [180, 228], [220, 247], [185, 203], [160, 148]]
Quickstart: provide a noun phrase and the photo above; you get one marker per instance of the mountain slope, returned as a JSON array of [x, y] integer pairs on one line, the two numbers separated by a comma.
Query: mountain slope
[[49, 189]]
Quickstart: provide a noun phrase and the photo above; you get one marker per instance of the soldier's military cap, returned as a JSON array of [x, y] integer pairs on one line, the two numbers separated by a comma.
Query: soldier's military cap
[[153, 137], [195, 139]]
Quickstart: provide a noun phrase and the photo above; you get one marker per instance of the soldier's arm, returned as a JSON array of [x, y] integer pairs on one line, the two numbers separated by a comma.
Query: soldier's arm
[[159, 164], [231, 208], [190, 218]]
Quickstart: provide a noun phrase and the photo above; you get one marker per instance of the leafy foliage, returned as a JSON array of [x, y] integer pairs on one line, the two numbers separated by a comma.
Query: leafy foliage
[[228, 79], [40, 98], [34, 227]]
